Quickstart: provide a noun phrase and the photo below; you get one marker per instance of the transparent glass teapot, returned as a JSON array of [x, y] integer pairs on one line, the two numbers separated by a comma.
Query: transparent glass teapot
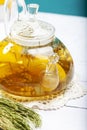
[[34, 63]]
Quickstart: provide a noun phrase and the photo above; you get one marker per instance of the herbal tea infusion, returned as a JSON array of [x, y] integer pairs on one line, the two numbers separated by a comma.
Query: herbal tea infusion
[[26, 74]]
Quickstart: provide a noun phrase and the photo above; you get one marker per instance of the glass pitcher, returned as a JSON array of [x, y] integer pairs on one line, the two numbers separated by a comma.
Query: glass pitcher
[[34, 63], [13, 10]]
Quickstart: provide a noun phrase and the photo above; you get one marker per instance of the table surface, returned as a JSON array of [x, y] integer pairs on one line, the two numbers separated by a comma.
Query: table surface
[[71, 30]]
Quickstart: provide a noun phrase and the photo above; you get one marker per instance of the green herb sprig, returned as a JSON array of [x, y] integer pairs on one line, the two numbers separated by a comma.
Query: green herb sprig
[[15, 116]]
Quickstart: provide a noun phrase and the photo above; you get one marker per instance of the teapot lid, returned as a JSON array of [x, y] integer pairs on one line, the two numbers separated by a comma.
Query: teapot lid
[[32, 32]]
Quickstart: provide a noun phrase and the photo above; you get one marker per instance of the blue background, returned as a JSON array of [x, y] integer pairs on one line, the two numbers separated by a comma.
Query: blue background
[[68, 7]]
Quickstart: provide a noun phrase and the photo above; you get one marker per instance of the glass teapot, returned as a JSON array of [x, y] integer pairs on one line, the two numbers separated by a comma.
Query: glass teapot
[[34, 63]]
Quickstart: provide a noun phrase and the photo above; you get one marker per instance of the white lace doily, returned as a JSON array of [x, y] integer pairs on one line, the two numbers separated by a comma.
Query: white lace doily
[[73, 91]]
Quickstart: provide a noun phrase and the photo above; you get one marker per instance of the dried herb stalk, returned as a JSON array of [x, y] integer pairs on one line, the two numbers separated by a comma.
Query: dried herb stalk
[[14, 116]]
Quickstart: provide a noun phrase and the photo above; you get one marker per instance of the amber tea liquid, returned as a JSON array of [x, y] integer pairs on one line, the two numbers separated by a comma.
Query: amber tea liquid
[[25, 75]]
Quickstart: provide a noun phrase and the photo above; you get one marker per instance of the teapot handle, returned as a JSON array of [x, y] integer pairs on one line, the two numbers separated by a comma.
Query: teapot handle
[[21, 8]]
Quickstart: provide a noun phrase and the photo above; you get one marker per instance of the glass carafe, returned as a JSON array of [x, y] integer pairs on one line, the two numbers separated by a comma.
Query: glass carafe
[[34, 63], [13, 11]]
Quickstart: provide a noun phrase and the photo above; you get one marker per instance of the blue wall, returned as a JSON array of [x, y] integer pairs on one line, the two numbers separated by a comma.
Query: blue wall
[[70, 7]]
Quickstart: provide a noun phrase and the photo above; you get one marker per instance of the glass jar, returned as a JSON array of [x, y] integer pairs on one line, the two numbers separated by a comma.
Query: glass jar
[[34, 63]]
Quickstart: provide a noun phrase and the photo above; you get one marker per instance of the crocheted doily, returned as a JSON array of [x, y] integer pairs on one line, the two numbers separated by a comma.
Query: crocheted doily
[[73, 91]]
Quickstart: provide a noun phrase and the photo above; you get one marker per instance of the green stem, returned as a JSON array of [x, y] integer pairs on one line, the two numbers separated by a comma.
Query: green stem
[[18, 116]]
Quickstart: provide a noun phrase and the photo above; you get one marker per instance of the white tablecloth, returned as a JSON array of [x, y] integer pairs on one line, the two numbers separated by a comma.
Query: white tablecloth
[[71, 30]]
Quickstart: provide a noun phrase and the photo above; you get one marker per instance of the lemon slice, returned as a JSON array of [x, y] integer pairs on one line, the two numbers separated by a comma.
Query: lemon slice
[[61, 72], [1, 1]]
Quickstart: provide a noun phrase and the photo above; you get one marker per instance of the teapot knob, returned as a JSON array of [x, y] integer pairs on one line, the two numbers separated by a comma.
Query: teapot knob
[[32, 10]]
